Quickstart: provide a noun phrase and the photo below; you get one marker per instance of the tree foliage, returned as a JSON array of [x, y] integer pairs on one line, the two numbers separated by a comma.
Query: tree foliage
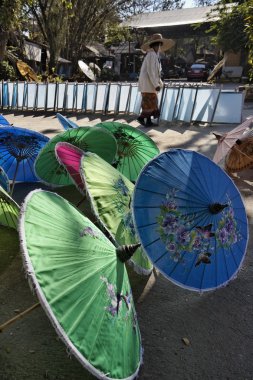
[[248, 19], [234, 27], [133, 7], [229, 29], [10, 11]]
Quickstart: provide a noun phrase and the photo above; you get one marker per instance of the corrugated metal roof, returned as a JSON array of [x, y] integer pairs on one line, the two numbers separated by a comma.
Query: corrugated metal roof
[[174, 17]]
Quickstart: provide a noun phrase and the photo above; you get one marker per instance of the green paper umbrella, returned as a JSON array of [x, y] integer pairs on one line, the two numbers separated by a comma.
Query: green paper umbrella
[[91, 139], [110, 194], [126, 234], [9, 210], [135, 148], [4, 180], [104, 184], [82, 284]]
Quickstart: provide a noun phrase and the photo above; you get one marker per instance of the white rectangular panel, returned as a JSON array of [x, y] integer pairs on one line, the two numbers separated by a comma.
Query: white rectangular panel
[[51, 94], [169, 102], [229, 108], [31, 95], [102, 92], [113, 98], [41, 96], [205, 104]]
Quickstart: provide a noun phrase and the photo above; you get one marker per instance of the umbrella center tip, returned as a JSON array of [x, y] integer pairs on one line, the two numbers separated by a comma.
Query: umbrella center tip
[[125, 252], [215, 208]]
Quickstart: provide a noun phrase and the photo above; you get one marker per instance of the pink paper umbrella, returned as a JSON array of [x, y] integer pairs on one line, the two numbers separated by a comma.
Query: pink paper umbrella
[[69, 156], [229, 139]]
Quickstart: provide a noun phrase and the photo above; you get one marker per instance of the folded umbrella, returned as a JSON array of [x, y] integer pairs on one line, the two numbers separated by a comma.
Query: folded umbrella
[[4, 122], [82, 283], [109, 193], [91, 139], [65, 122], [193, 227], [135, 148], [230, 139]]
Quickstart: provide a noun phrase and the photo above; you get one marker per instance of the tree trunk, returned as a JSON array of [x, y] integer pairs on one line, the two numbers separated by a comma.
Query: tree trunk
[[3, 43]]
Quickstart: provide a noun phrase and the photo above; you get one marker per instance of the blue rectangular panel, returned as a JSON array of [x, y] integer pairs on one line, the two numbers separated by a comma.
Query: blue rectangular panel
[[5, 96]]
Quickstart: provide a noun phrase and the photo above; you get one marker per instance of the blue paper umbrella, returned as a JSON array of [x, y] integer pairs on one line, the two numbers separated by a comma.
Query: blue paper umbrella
[[190, 219], [65, 122], [18, 149], [4, 122], [4, 180]]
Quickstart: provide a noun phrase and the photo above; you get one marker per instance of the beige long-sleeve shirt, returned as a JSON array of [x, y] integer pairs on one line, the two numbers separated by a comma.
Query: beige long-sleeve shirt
[[150, 75]]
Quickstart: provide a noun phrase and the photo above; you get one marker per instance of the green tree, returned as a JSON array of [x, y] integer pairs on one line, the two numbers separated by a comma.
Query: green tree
[[234, 28], [248, 18], [10, 11], [52, 19], [229, 28]]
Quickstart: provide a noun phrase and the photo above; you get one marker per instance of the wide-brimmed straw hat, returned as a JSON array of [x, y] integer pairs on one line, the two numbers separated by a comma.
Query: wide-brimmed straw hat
[[166, 42]]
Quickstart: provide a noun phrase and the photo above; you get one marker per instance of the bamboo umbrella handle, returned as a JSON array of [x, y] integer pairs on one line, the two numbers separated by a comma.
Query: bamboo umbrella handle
[[20, 315]]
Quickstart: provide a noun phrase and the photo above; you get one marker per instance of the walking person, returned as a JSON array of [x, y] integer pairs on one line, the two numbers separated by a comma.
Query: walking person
[[150, 82]]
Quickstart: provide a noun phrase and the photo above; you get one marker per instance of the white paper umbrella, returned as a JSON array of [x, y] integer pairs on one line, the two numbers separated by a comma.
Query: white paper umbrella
[[86, 70]]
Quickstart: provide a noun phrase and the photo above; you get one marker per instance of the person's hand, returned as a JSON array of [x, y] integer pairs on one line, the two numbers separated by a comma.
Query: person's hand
[[158, 88]]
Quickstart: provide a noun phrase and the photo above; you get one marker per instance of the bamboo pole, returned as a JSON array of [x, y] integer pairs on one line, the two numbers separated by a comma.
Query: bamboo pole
[[20, 315]]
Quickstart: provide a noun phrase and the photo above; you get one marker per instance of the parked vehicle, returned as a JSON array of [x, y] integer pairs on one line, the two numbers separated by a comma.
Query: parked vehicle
[[172, 72], [198, 71]]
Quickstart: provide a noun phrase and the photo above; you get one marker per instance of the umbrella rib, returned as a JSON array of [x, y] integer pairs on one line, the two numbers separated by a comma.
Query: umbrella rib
[[4, 212], [189, 272], [190, 193], [202, 277], [8, 213], [160, 257], [151, 191], [14, 221], [152, 242], [224, 257]]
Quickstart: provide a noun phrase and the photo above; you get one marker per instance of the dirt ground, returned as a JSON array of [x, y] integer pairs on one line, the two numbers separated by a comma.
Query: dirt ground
[[217, 324]]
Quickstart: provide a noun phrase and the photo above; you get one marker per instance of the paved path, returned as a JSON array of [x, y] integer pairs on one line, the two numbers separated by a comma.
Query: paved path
[[218, 324]]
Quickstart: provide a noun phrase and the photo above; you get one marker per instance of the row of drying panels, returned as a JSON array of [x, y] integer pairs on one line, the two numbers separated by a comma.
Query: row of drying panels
[[179, 101]]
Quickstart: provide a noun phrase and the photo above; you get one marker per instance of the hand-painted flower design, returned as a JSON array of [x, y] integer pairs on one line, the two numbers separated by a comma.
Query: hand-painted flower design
[[227, 232], [89, 231], [180, 234], [116, 300], [129, 224], [123, 196]]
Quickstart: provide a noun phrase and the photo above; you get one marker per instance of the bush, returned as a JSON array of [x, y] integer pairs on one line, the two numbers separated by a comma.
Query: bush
[[7, 71], [108, 75]]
